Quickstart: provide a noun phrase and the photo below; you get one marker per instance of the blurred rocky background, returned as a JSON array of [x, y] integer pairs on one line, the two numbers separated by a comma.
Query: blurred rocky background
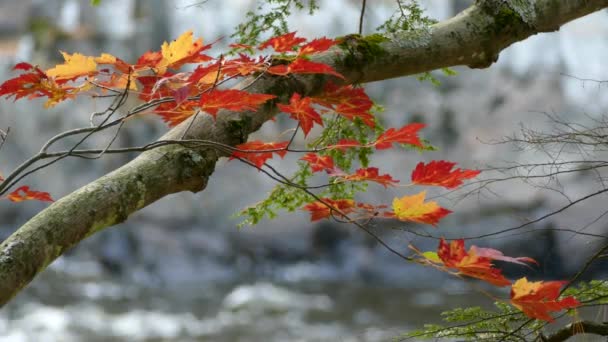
[[181, 270]]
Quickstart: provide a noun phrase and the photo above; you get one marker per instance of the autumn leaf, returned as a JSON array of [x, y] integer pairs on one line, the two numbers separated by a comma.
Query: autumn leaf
[[319, 163], [119, 64], [371, 174], [440, 173], [251, 151], [453, 255], [76, 65], [173, 113], [181, 51], [347, 101], [497, 255], [24, 194], [36, 83], [284, 43], [320, 209], [344, 144], [316, 46], [231, 99], [536, 299], [413, 208], [407, 134], [303, 66], [300, 109]]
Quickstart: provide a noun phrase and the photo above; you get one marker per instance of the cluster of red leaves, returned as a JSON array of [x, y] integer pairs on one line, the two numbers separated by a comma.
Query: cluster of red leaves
[[153, 76]]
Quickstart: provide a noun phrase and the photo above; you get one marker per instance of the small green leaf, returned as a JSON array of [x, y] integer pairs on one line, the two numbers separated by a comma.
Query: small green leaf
[[432, 256], [95, 2]]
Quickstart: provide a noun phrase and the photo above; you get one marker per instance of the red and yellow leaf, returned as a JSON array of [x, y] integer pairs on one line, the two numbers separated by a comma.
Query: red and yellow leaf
[[24, 194], [251, 151], [319, 163], [301, 109], [413, 208], [76, 65], [319, 210], [231, 99], [284, 43], [440, 173], [536, 299], [372, 174], [36, 84], [453, 255], [174, 114], [407, 134]]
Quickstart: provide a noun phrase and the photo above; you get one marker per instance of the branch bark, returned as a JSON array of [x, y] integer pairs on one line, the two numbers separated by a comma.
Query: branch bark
[[473, 38], [577, 328]]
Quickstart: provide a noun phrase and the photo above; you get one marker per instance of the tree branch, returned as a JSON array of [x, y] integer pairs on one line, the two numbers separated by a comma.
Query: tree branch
[[576, 328], [473, 38]]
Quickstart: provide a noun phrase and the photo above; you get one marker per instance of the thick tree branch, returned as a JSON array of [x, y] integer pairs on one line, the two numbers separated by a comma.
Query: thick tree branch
[[473, 38]]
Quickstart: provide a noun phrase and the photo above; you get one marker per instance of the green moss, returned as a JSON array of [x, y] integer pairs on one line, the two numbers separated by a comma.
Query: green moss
[[361, 50]]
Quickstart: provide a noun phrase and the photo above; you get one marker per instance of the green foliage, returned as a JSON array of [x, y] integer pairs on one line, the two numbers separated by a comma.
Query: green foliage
[[272, 19], [506, 323], [95, 2], [286, 197], [408, 17]]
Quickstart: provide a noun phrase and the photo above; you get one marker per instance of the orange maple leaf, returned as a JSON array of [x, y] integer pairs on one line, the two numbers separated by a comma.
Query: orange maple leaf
[[232, 99], [413, 208], [76, 65], [453, 255], [181, 51], [301, 109], [321, 209], [371, 174], [24, 194], [284, 43], [440, 173], [258, 152], [347, 101], [536, 299], [319, 163], [407, 134]]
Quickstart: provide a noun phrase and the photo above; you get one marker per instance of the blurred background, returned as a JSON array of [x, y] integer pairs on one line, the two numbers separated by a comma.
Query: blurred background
[[181, 270]]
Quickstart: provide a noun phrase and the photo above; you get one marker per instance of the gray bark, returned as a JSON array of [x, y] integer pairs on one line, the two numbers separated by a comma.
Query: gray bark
[[473, 38]]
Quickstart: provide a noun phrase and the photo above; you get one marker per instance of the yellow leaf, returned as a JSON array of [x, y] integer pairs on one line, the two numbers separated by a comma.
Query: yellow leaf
[[179, 51], [75, 65], [413, 208]]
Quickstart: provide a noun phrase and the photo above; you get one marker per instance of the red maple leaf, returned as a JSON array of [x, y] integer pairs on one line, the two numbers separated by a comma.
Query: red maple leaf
[[453, 255], [300, 109], [344, 144], [303, 66], [232, 99], [347, 101], [321, 209], [407, 134], [440, 173], [258, 152], [24, 194], [537, 299], [372, 174], [284, 43], [316, 46], [319, 163]]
